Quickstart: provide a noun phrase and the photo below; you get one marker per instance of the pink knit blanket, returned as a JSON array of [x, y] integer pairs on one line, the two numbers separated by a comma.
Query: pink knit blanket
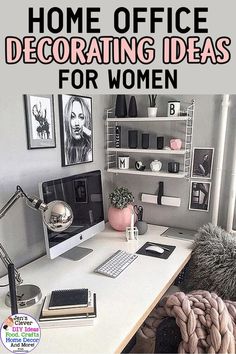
[[207, 323]]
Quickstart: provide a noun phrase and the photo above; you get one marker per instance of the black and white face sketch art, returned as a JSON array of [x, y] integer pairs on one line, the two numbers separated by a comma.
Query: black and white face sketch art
[[200, 196], [76, 129], [202, 162], [40, 121]]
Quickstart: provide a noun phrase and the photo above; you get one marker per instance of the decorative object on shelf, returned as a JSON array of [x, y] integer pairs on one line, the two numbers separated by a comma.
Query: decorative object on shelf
[[200, 195], [121, 108], [139, 166], [57, 216], [173, 167], [152, 109], [40, 121], [173, 108], [120, 211], [202, 162], [156, 165], [76, 129], [183, 113], [133, 139], [123, 162], [141, 225], [132, 112], [175, 144], [145, 141], [160, 142], [118, 136], [167, 148]]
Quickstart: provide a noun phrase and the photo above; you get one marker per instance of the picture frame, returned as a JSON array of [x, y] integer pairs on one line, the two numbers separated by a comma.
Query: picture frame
[[202, 162], [200, 192], [76, 129], [40, 121]]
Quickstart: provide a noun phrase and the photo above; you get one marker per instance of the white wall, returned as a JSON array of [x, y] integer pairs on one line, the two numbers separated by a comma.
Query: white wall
[[21, 230]]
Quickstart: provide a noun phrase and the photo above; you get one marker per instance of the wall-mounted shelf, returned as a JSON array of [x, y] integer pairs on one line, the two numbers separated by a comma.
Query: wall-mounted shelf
[[133, 171], [149, 119], [186, 124], [148, 151]]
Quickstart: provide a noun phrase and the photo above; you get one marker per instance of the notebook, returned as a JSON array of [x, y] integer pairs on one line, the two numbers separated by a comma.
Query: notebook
[[70, 310], [68, 298]]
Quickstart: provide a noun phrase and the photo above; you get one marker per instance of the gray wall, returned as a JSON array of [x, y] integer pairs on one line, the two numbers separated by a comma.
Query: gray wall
[[21, 230], [206, 122]]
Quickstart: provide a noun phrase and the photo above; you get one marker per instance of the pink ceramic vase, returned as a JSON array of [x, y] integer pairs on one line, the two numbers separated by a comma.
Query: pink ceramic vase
[[119, 219]]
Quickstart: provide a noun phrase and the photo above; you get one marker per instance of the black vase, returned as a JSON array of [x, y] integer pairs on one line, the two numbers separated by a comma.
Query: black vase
[[133, 139], [121, 108], [133, 107], [145, 141]]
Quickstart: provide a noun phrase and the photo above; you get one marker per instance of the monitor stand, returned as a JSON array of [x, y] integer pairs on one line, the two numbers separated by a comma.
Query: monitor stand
[[76, 253]]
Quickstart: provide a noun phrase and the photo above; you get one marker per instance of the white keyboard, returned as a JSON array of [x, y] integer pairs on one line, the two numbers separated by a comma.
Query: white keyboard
[[115, 264]]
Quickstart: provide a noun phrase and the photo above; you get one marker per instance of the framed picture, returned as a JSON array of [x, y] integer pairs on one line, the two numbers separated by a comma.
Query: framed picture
[[200, 195], [40, 121], [202, 162], [76, 129]]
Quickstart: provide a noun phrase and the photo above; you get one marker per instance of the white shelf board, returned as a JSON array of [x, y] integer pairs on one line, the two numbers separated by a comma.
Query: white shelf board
[[148, 151], [133, 171], [149, 119]]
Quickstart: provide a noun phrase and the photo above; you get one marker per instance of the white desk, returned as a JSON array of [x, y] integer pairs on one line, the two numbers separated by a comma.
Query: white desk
[[122, 303]]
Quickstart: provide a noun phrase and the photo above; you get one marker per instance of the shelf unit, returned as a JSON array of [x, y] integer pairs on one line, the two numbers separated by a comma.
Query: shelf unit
[[147, 119], [133, 171], [112, 153], [148, 151]]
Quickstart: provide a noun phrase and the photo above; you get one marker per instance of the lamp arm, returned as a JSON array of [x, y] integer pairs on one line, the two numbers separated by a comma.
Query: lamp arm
[[18, 194], [32, 202], [3, 253], [6, 261]]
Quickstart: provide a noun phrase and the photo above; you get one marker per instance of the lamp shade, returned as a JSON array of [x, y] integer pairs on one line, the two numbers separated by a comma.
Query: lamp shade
[[58, 216]]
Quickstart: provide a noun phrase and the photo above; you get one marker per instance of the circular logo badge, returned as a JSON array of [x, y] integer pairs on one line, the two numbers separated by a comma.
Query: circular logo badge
[[20, 333]]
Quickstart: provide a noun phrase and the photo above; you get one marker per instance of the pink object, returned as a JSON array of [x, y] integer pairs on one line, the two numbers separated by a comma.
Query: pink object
[[176, 144], [207, 323], [119, 219]]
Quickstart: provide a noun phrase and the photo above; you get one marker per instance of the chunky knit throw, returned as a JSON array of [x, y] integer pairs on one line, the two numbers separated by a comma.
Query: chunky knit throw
[[207, 323]]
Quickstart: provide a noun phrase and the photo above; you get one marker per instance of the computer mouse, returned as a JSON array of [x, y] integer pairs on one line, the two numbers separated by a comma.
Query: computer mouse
[[154, 249]]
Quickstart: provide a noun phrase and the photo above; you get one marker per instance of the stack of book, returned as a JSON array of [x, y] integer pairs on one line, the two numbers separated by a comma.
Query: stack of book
[[73, 307]]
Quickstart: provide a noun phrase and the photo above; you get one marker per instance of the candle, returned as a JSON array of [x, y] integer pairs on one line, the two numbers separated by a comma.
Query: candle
[[132, 226]]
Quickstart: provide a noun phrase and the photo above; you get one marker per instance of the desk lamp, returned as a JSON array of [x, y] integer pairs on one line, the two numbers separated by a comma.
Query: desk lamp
[[57, 216]]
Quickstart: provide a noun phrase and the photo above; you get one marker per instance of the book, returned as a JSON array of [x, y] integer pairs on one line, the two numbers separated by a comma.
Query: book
[[83, 319], [46, 311], [77, 322], [68, 298]]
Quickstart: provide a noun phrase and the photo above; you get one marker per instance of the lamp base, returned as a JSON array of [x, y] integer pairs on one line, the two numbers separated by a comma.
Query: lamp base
[[27, 295]]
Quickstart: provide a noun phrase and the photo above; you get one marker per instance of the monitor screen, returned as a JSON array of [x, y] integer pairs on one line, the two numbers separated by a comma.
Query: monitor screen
[[83, 192]]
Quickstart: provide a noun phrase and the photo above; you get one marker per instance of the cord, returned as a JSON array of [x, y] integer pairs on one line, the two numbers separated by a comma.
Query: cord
[[4, 285]]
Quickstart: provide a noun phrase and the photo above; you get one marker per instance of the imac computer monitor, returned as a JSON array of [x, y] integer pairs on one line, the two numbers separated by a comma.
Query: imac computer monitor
[[83, 193]]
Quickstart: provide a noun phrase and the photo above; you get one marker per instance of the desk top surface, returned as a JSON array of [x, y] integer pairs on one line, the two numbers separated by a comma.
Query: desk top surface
[[123, 303]]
